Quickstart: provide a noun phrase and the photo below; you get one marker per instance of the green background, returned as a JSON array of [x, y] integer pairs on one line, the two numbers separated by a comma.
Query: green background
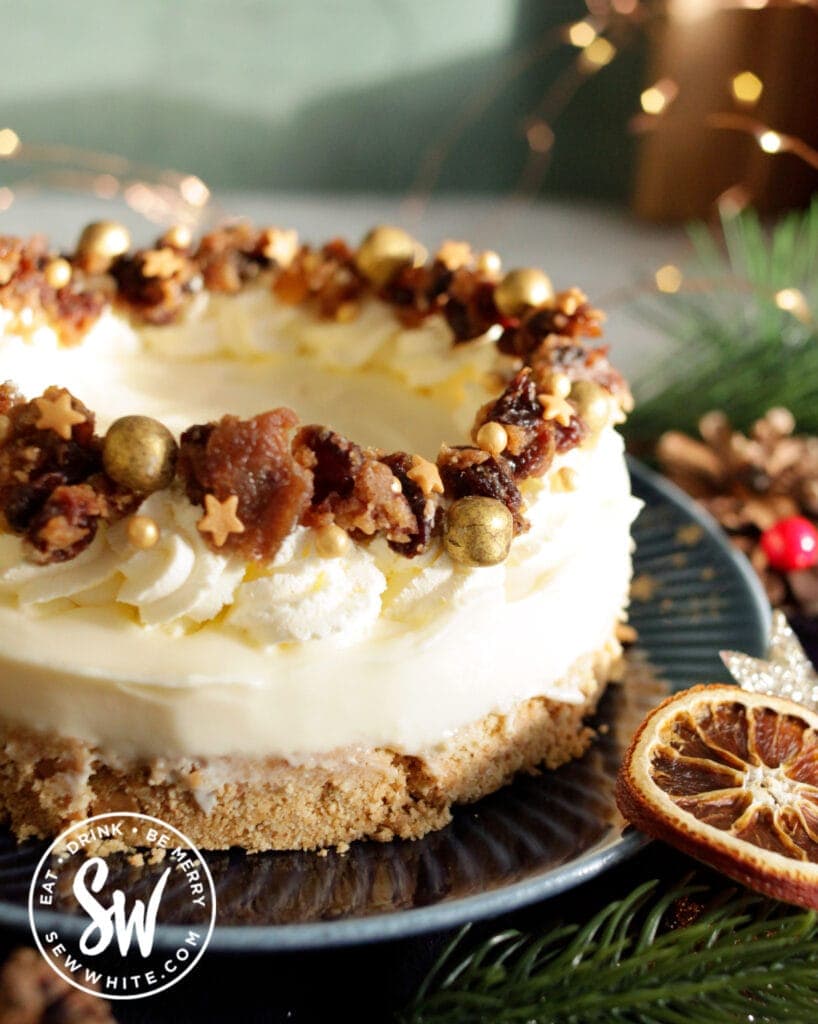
[[313, 95]]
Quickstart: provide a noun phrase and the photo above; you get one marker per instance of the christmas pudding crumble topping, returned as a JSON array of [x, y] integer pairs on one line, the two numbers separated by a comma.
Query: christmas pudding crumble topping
[[451, 478]]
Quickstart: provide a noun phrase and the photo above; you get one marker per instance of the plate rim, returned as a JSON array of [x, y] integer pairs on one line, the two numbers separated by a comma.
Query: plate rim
[[400, 924]]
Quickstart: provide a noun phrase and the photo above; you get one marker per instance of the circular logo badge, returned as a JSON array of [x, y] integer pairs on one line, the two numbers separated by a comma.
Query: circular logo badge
[[120, 900]]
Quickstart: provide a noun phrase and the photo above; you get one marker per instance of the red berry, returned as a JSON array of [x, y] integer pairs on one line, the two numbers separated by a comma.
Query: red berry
[[791, 544]]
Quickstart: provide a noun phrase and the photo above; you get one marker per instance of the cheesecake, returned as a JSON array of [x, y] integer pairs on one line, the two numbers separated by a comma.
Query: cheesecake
[[299, 545]]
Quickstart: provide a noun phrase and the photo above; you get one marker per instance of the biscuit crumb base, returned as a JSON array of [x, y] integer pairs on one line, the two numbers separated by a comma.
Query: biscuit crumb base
[[47, 781]]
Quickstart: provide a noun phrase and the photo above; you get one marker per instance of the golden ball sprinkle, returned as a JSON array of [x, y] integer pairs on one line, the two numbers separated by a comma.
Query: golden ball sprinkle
[[139, 453], [331, 541], [489, 264], [521, 290], [594, 404], [478, 531], [143, 532], [57, 273], [385, 251], [178, 236], [492, 437], [101, 242]]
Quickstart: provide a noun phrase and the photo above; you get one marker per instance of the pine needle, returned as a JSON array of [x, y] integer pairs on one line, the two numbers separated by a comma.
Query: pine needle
[[744, 958], [733, 346]]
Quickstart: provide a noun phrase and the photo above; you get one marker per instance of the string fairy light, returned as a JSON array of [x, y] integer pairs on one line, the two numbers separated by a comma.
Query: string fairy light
[[657, 98], [597, 54], [9, 142], [793, 300], [768, 139], [746, 88], [161, 195], [669, 278], [596, 39], [581, 34]]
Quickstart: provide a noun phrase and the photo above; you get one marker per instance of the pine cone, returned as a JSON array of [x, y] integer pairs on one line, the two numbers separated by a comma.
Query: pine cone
[[749, 483]]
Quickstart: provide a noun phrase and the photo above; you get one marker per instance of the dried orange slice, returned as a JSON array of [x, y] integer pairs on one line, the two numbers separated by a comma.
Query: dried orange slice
[[731, 777]]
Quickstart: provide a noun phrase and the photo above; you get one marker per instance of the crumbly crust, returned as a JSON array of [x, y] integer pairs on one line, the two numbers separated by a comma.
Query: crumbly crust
[[48, 781]]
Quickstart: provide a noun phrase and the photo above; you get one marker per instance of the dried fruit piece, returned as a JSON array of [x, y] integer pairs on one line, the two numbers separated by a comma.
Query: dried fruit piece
[[471, 471], [731, 777], [251, 460], [424, 507], [53, 489], [353, 487]]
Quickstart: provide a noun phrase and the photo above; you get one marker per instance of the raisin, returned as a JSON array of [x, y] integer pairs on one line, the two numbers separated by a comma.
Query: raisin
[[470, 471], [532, 439], [426, 510], [352, 487]]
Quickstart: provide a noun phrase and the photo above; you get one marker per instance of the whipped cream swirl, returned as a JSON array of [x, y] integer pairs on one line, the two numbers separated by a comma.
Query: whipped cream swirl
[[177, 581]]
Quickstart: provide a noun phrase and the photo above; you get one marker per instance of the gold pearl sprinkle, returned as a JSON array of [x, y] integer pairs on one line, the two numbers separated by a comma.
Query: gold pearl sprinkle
[[489, 264], [396, 487], [492, 437], [143, 532], [57, 273], [331, 541], [178, 236]]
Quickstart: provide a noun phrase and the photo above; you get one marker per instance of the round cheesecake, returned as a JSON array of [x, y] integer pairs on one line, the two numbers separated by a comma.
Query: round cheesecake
[[377, 569]]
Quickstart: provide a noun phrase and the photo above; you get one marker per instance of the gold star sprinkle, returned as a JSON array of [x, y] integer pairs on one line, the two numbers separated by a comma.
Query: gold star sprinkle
[[556, 408], [220, 519], [454, 255], [426, 475], [279, 246], [162, 263], [58, 414]]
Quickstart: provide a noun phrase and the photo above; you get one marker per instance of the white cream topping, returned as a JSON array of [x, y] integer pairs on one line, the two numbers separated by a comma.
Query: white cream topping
[[178, 650], [307, 597]]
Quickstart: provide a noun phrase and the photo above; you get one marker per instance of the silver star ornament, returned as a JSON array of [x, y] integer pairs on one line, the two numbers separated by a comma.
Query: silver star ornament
[[787, 671]]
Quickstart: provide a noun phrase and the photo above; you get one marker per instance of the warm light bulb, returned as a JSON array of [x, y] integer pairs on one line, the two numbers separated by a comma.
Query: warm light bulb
[[747, 87], [792, 300], [598, 53], [9, 142], [581, 34], [688, 11], [6, 198], [668, 278], [653, 100], [770, 141], [194, 190]]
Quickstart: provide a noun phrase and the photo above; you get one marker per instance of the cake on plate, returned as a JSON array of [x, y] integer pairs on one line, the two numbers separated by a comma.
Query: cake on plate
[[298, 545]]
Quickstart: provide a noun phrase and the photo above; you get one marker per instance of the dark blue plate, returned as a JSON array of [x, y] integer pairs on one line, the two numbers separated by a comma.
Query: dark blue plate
[[537, 837]]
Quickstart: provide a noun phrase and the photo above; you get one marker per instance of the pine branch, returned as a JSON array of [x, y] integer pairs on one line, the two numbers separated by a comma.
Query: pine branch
[[732, 345], [742, 955]]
